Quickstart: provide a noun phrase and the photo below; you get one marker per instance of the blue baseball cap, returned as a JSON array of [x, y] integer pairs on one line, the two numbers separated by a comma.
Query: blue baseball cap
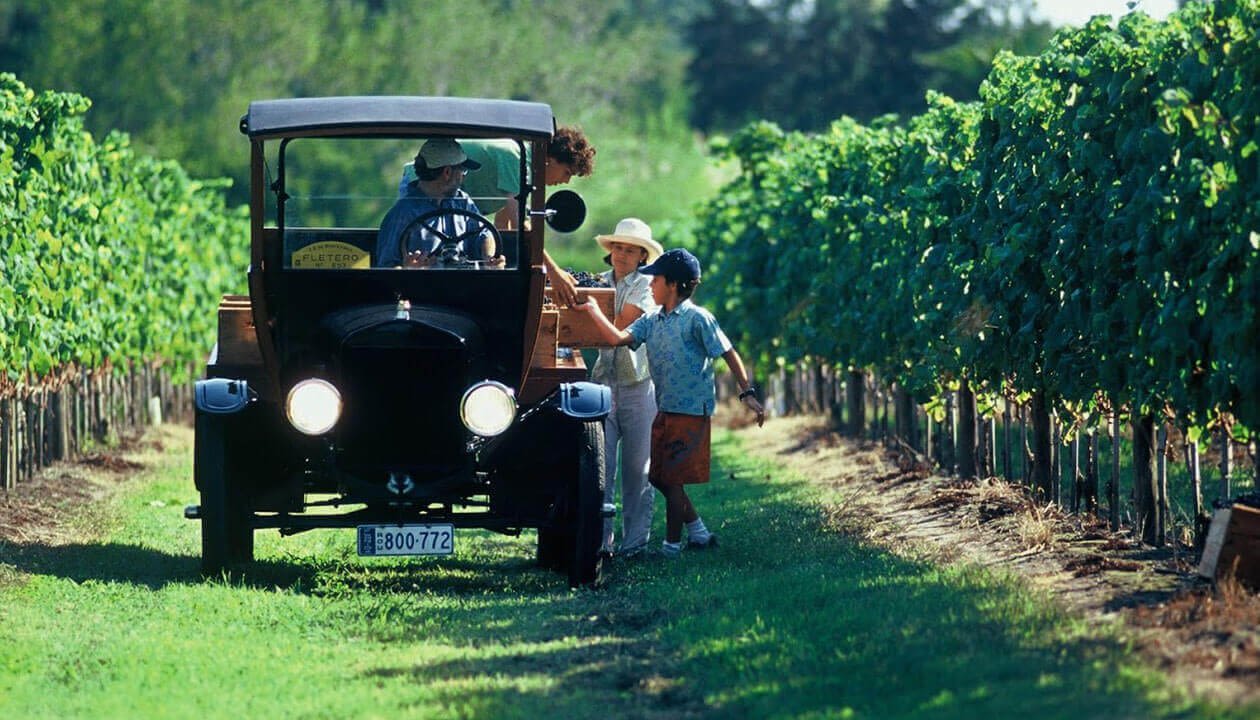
[[677, 265]]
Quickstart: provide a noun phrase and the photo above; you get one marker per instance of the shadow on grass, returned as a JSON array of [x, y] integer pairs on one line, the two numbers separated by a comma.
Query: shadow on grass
[[114, 562], [154, 569], [614, 678]]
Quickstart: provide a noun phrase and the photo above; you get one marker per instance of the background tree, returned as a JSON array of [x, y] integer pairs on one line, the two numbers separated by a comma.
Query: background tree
[[802, 63], [640, 76], [178, 74]]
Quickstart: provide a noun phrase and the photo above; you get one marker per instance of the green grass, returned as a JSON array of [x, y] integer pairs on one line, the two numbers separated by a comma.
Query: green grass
[[786, 619]]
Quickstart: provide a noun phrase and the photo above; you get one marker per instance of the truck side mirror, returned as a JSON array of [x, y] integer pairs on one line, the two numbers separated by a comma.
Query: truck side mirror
[[566, 211]]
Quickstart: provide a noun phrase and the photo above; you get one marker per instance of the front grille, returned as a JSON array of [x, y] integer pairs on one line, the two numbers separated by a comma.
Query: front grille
[[401, 409]]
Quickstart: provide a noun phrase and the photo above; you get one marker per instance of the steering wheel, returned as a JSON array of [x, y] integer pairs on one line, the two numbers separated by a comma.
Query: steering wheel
[[448, 251]]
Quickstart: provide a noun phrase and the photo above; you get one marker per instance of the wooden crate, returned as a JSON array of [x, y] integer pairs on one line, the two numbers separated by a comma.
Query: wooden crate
[[575, 329], [546, 370], [545, 347], [1233, 546], [238, 343]]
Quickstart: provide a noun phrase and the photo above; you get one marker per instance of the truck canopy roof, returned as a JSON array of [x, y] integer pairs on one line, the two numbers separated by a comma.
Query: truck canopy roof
[[395, 114]]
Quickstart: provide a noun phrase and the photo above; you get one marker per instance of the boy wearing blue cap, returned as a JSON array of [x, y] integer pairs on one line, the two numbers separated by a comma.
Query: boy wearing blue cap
[[682, 341]]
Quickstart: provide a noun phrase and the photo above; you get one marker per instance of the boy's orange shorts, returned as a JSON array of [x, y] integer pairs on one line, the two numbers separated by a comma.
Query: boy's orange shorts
[[680, 450]]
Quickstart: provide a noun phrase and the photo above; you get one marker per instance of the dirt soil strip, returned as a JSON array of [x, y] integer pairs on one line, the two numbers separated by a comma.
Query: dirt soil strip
[[1206, 639], [65, 494]]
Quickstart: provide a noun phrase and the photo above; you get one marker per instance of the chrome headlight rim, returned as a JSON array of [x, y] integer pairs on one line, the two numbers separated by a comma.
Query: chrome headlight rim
[[313, 406], [488, 408]]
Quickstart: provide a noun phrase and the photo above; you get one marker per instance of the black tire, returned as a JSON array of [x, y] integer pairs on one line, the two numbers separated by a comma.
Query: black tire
[[587, 521], [227, 540], [553, 549]]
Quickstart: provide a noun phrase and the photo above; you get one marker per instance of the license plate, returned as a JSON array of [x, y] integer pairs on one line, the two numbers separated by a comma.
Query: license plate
[[406, 540]]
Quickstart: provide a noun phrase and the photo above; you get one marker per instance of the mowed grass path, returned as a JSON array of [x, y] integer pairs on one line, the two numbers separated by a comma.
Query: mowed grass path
[[786, 619]]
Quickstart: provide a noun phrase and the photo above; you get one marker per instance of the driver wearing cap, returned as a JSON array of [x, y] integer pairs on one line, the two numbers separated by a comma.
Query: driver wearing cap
[[452, 222]]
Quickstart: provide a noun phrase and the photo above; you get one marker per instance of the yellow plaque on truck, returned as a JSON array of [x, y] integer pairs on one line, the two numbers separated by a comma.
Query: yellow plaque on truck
[[331, 255]]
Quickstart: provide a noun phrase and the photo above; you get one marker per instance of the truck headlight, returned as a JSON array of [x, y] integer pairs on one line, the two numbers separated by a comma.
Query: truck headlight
[[313, 406], [488, 408]]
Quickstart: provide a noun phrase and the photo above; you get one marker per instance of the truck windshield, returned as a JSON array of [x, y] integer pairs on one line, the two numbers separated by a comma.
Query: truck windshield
[[360, 203]]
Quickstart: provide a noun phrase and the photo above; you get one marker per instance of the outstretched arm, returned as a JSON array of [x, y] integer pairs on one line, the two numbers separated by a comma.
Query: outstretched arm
[[610, 333], [563, 285], [750, 399]]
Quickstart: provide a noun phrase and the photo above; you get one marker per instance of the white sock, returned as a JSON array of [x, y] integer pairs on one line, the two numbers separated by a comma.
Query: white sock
[[697, 531]]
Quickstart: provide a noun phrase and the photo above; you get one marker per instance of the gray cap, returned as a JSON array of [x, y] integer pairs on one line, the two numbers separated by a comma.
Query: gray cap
[[440, 152]]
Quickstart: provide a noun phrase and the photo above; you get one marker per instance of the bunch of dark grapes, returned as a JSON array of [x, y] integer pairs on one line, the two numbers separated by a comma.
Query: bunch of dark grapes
[[588, 280]]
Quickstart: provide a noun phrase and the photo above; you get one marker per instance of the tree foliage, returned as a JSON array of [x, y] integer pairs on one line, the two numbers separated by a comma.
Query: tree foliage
[[177, 75], [801, 63]]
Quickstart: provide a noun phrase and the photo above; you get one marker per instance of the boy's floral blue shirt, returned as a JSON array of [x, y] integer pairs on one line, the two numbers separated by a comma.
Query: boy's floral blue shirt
[[681, 346]]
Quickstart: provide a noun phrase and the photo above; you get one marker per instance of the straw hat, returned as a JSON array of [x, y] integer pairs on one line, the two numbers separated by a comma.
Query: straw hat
[[632, 231]]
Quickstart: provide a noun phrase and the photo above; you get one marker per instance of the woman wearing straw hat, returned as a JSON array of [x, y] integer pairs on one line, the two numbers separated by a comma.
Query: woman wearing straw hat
[[629, 425]]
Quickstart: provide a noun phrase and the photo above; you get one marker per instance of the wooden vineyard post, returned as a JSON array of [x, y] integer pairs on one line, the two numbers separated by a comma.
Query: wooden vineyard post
[[967, 435], [1056, 460], [1041, 482], [881, 397], [871, 403], [1163, 519], [991, 441], [1227, 464], [1076, 472], [80, 411], [1196, 479], [1145, 499], [1023, 443], [1113, 483], [1006, 439], [39, 449], [854, 389], [836, 399], [789, 389], [931, 444], [982, 446], [21, 443], [906, 407], [912, 423], [60, 424], [8, 466], [1091, 473], [820, 388], [904, 419], [883, 422]]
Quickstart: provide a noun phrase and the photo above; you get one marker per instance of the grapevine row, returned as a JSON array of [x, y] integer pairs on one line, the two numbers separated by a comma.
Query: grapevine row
[[111, 264], [1087, 232], [109, 257], [1085, 239]]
